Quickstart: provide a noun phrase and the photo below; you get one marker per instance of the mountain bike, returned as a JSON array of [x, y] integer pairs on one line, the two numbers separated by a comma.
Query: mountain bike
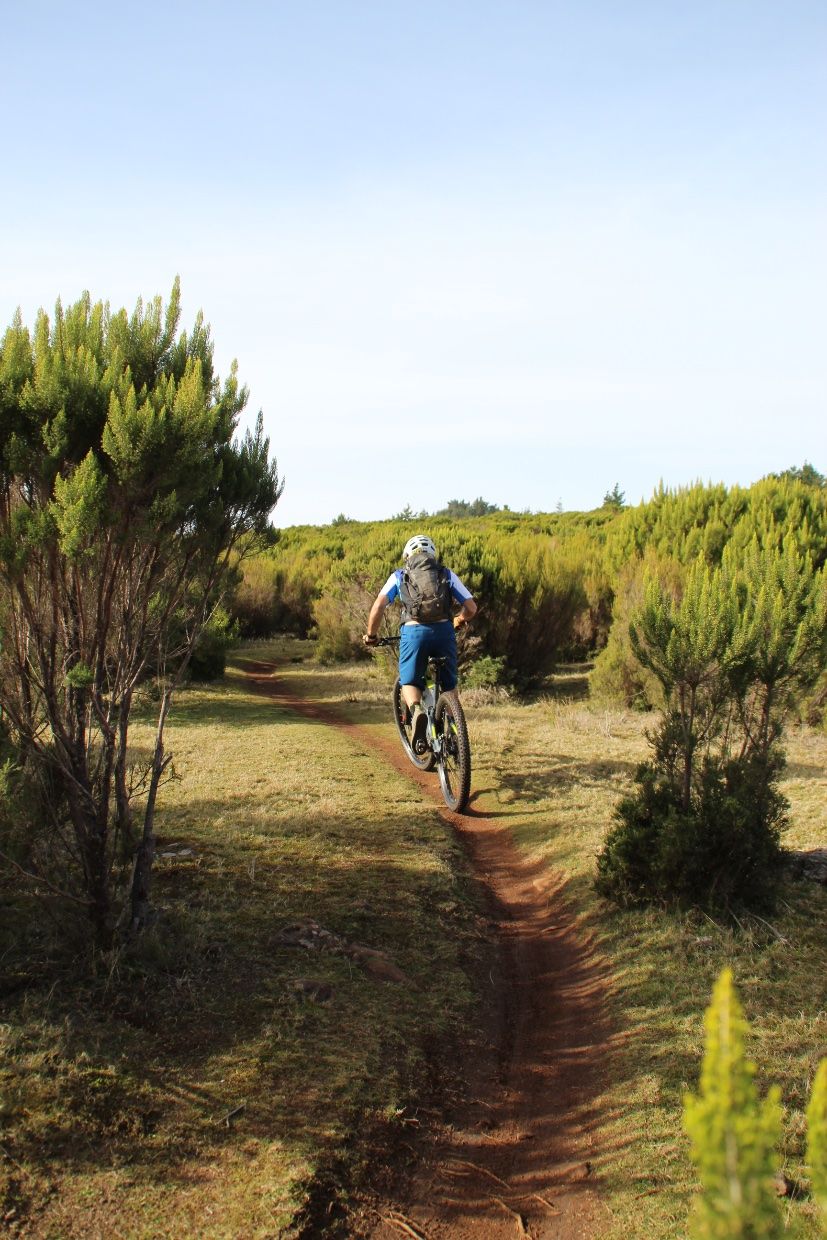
[[446, 737]]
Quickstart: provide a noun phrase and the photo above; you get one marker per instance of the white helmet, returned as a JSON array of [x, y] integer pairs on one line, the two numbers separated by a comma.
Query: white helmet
[[419, 542]]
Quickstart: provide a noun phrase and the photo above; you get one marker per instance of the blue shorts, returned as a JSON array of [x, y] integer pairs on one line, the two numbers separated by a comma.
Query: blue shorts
[[417, 642]]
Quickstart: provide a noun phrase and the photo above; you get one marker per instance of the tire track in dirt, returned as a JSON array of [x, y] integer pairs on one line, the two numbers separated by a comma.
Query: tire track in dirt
[[517, 1160]]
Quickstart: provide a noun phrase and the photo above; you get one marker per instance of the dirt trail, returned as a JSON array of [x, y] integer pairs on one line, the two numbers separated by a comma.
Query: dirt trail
[[517, 1159]]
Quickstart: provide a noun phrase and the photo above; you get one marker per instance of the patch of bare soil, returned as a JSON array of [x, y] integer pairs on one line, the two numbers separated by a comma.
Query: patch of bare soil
[[516, 1158]]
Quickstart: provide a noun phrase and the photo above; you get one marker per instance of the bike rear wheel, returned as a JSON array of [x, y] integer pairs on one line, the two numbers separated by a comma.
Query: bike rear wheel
[[401, 715], [454, 763]]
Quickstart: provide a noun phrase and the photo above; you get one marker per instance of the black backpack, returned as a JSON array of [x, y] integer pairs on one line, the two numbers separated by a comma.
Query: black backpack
[[425, 589]]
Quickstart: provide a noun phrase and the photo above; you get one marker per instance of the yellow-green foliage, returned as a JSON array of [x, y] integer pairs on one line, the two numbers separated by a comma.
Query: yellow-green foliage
[[618, 673], [705, 519], [533, 576], [684, 641], [817, 1138], [124, 494], [546, 583], [734, 1133], [275, 596], [782, 615]]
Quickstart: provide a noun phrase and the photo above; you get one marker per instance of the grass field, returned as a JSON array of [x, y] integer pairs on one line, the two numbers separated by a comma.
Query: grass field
[[205, 1085]]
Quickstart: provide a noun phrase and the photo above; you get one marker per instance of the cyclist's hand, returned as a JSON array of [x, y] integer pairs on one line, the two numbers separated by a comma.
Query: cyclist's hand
[[370, 639], [459, 621]]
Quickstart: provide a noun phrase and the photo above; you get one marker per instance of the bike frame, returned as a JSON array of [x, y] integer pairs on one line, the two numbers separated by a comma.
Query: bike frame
[[446, 733], [431, 692]]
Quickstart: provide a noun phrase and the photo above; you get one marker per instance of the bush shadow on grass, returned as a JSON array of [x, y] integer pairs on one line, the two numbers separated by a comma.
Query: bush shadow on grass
[[232, 711], [565, 688], [214, 974], [541, 774], [802, 770]]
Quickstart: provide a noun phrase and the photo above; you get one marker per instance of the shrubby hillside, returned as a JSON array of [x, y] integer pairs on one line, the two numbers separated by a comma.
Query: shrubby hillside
[[550, 586], [539, 579]]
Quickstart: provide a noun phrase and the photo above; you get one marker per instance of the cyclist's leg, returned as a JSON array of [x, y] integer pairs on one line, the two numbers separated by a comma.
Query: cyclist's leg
[[413, 662], [443, 644]]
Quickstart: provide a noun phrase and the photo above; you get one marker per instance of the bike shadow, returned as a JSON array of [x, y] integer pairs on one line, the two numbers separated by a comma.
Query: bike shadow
[[476, 807]]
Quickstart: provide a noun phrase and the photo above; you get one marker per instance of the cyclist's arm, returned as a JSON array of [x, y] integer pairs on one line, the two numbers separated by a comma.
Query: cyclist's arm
[[377, 611], [466, 612], [384, 598], [462, 595]]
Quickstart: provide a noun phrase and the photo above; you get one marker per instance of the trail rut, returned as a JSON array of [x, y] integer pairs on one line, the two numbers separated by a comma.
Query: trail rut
[[517, 1157]]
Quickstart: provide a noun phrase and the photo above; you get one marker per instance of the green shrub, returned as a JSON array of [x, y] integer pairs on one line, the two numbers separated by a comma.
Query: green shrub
[[534, 594], [734, 1133], [209, 657], [720, 854], [817, 1139], [485, 672], [533, 577], [704, 520], [335, 644], [618, 672], [618, 676], [340, 617], [255, 603], [730, 651], [275, 596]]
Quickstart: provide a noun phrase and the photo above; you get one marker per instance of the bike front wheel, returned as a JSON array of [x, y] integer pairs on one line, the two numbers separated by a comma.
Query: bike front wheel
[[454, 762], [402, 718]]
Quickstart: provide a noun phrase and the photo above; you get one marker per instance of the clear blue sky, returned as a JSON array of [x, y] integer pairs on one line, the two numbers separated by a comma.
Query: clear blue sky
[[517, 250]]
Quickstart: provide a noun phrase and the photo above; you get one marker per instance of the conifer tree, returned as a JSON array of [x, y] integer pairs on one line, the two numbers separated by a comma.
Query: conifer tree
[[684, 642], [780, 639], [615, 498], [123, 495], [732, 649], [733, 1133]]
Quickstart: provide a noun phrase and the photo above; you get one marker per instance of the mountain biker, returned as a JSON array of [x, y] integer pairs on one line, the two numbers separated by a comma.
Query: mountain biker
[[427, 591]]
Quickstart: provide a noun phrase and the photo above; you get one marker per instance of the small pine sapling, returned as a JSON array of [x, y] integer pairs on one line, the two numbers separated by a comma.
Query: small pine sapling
[[733, 1133], [817, 1139]]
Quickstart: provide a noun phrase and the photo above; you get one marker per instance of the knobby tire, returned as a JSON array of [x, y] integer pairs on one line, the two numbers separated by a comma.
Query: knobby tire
[[455, 764]]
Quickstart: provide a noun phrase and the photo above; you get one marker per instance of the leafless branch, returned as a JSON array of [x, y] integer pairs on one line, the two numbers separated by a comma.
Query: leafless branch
[[40, 880]]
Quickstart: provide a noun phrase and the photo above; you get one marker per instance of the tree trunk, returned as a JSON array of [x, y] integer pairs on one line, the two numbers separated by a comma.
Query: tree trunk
[[688, 753], [101, 908], [123, 808], [145, 856]]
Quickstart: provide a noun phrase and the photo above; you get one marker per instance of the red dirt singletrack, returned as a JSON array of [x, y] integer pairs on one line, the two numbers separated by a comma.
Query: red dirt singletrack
[[516, 1158]]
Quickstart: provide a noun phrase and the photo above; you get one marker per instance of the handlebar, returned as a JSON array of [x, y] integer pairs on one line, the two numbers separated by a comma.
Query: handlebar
[[394, 641]]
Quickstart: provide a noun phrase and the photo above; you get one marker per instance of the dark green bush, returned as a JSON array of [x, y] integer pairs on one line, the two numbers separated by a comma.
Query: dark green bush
[[722, 854], [12, 825], [272, 598], [209, 658], [485, 672]]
